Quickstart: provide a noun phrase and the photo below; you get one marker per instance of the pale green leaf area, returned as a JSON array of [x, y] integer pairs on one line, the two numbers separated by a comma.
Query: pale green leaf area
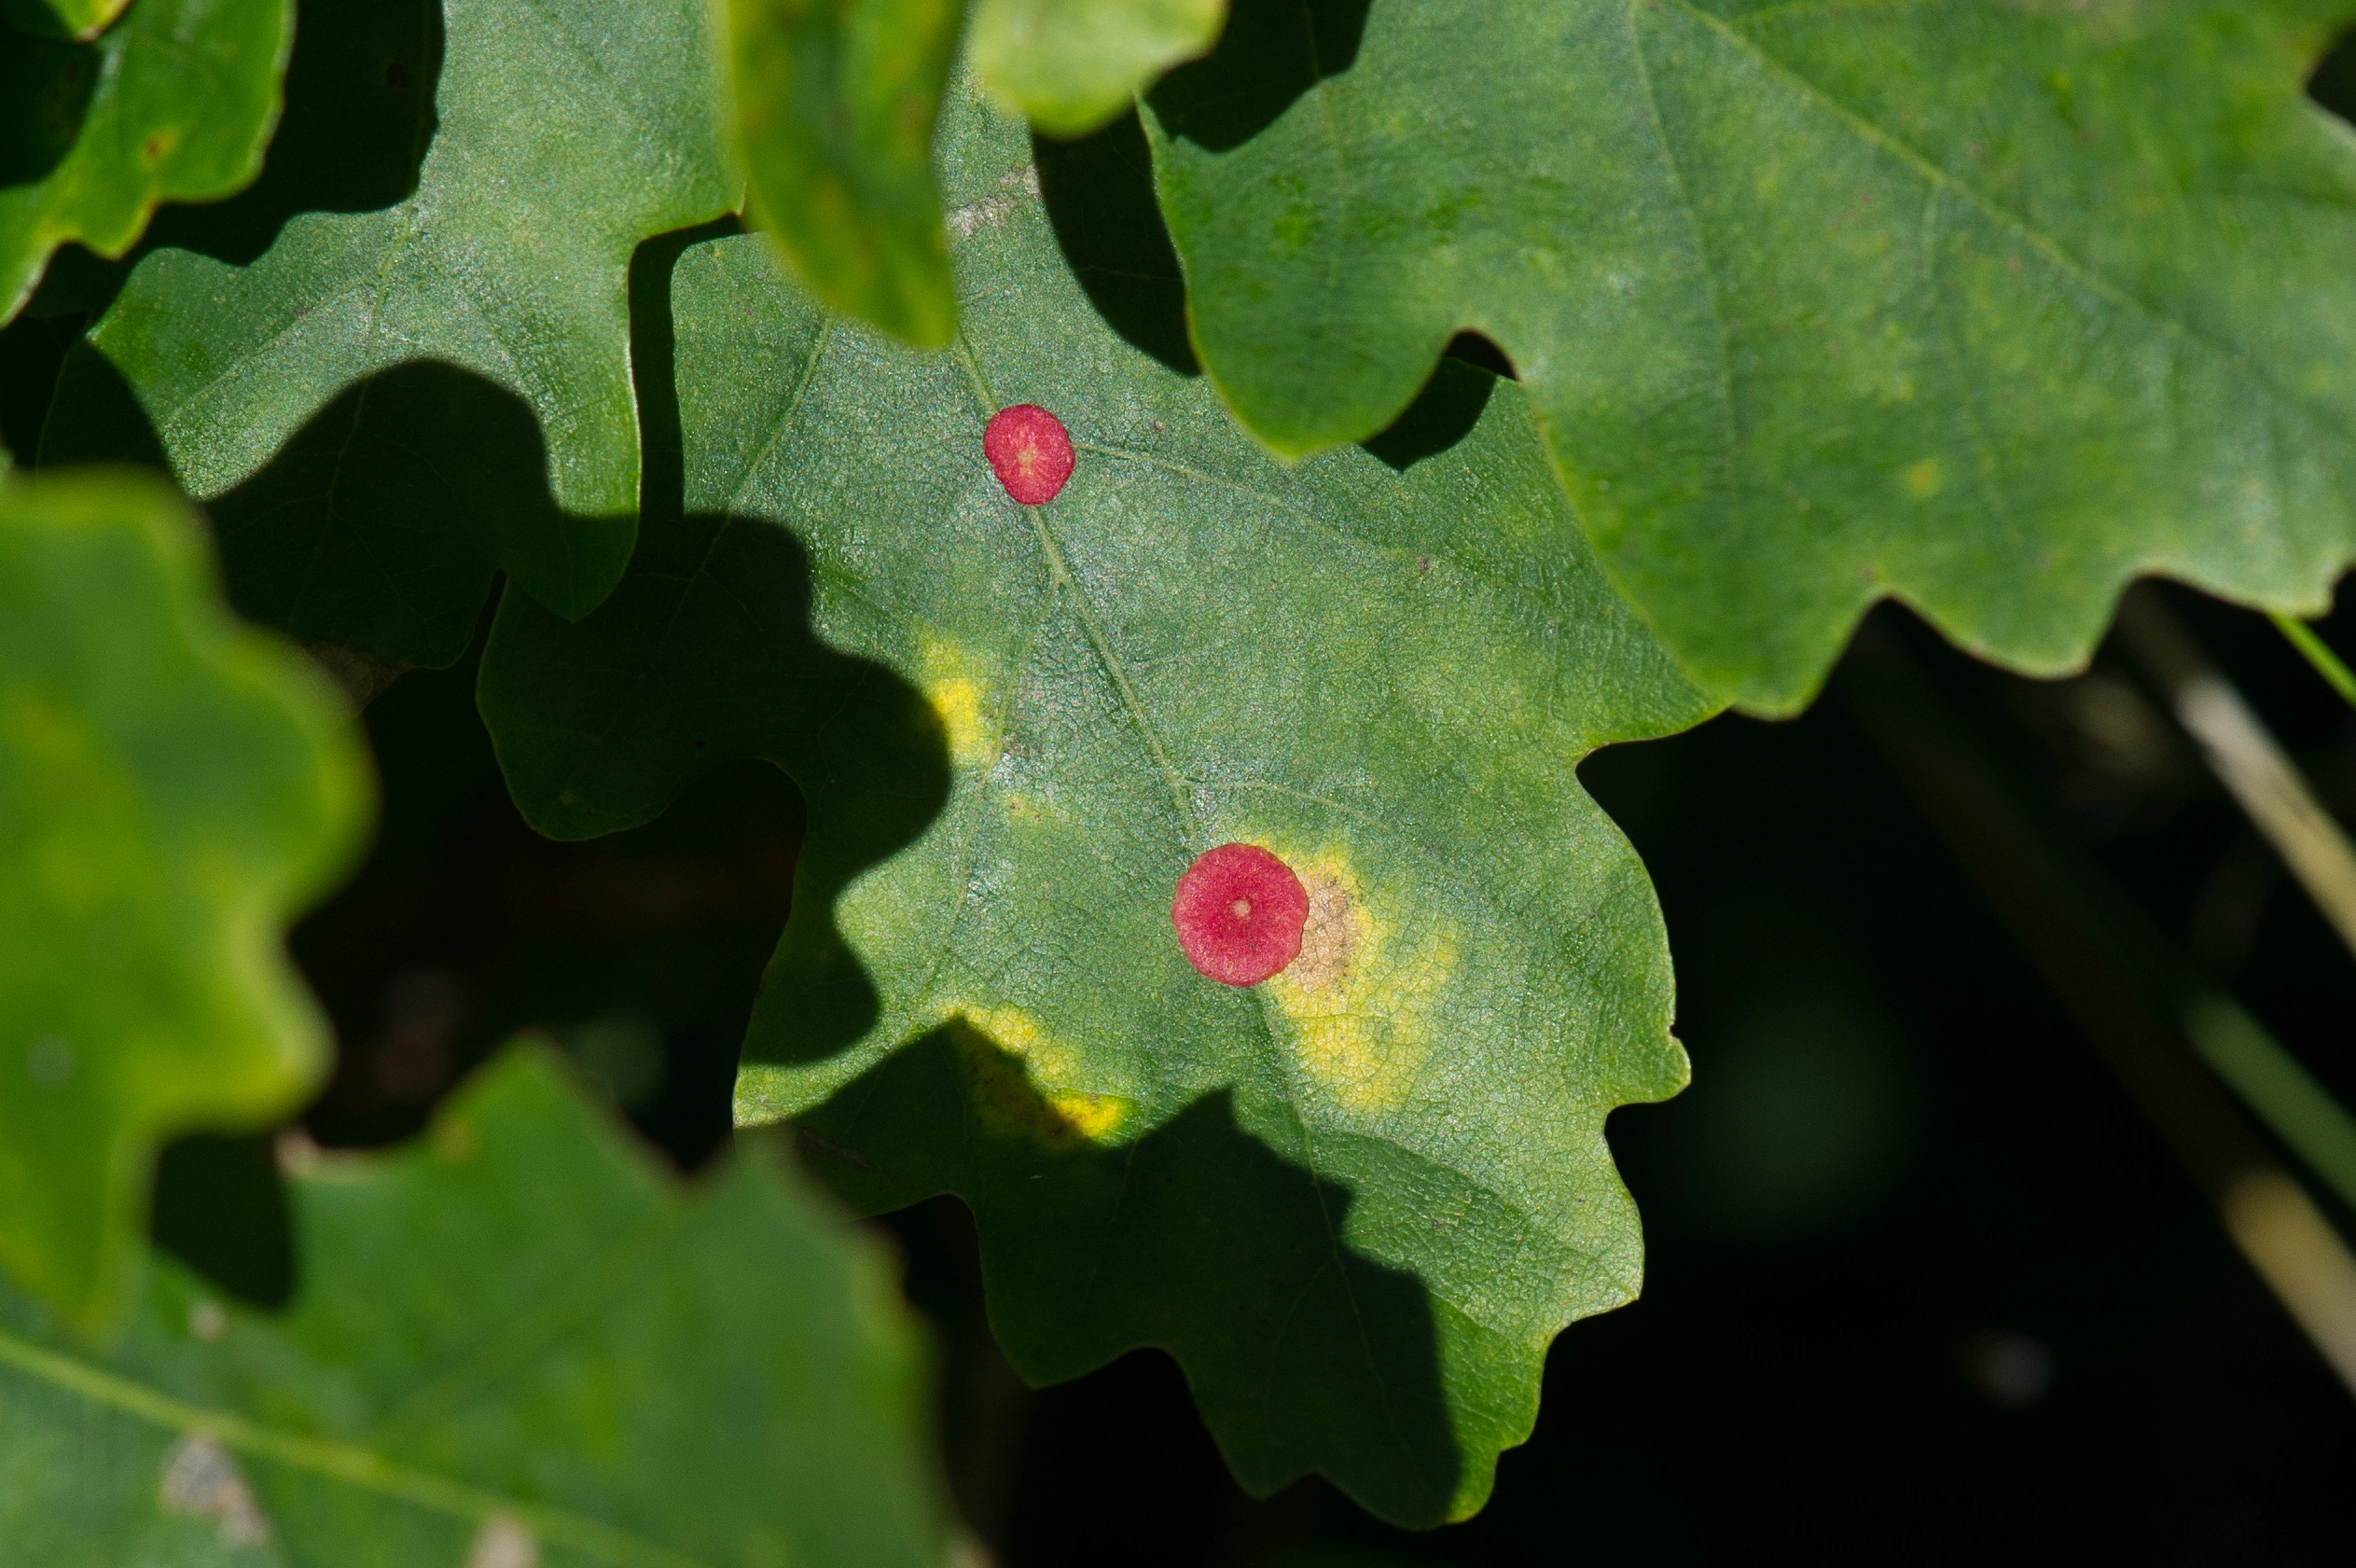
[[1356, 1202], [1985, 307], [517, 1342], [386, 407], [1071, 66], [835, 103], [173, 787], [175, 104]]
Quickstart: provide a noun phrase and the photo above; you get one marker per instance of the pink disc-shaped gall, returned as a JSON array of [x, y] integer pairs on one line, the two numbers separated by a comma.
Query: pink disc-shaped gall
[[1030, 451], [1239, 911]]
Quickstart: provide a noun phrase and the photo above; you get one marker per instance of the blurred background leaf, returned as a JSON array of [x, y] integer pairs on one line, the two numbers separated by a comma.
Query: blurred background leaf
[[173, 787]]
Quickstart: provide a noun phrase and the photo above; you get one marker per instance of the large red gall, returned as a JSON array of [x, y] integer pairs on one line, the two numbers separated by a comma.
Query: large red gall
[[1029, 450], [1239, 913]]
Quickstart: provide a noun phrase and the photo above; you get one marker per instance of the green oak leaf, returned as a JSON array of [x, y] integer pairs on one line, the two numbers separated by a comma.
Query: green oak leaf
[[1071, 66], [174, 103], [384, 407], [1355, 1203], [835, 102], [1986, 307], [515, 1343], [173, 788]]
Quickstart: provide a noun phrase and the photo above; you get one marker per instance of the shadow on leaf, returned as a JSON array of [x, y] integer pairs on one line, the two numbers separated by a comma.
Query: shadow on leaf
[[221, 1209], [704, 654], [1271, 52], [359, 116], [1099, 193], [380, 523], [1194, 1238], [45, 92]]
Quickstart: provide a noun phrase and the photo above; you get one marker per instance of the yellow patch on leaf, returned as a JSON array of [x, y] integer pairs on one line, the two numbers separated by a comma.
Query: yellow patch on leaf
[[1018, 1079], [960, 696], [1360, 995]]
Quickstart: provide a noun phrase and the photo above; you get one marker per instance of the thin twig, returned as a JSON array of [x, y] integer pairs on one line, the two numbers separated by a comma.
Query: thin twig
[[2246, 757], [2135, 1000]]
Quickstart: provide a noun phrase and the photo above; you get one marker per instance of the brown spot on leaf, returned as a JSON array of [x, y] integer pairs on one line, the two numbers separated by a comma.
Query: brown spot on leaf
[[1329, 942]]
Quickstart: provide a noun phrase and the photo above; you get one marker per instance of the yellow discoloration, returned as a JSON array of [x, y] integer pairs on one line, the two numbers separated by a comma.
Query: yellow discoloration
[[960, 696], [1018, 1080], [1360, 995], [1925, 479]]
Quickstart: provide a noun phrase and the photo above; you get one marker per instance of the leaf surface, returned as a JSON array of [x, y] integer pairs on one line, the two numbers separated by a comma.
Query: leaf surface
[[384, 406], [1357, 1201], [835, 105], [1988, 307], [175, 104], [1071, 66], [173, 788], [517, 1342]]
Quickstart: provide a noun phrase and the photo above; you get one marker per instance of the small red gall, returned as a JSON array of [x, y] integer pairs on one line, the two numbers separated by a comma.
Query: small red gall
[[1240, 912], [1031, 452]]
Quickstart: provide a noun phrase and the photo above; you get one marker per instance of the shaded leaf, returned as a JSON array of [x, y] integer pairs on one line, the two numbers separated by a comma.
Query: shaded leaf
[[1072, 65], [340, 395], [835, 103], [73, 19], [515, 1343], [173, 104], [1986, 307], [1357, 1201], [173, 788]]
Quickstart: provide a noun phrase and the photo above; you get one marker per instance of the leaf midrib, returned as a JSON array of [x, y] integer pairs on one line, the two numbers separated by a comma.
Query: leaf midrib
[[349, 1464]]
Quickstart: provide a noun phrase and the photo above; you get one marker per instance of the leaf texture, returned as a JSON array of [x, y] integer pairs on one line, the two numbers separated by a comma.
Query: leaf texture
[[1986, 307], [518, 1343], [1357, 1201], [173, 788]]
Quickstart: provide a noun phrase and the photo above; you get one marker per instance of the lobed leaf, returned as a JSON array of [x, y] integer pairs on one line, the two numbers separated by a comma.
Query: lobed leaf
[[1357, 1201], [172, 103], [517, 1343], [1988, 307], [384, 406], [173, 788]]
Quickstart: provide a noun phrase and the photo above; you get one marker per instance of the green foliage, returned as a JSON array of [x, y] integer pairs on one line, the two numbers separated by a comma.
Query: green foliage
[[1985, 307], [835, 103], [512, 1335], [173, 104], [172, 786], [1014, 729], [1071, 66], [350, 391]]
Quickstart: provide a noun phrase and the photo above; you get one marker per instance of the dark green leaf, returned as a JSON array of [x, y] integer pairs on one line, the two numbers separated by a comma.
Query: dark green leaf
[[1356, 1202], [173, 104], [835, 104], [385, 407], [1986, 307], [172, 786], [516, 1343]]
